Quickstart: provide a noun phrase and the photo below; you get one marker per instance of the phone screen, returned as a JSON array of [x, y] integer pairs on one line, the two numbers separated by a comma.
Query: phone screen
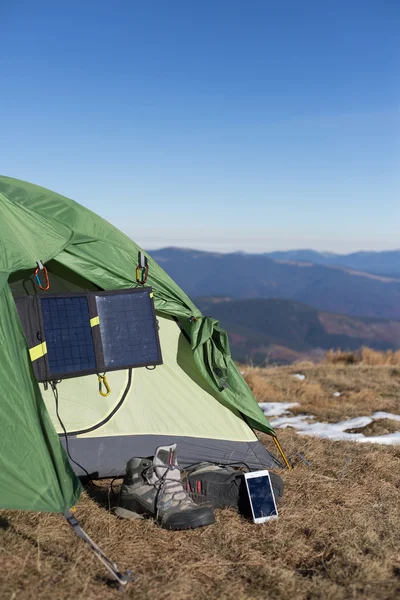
[[261, 496]]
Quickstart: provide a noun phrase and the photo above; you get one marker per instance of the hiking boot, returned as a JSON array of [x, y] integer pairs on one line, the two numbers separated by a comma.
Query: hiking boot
[[154, 488]]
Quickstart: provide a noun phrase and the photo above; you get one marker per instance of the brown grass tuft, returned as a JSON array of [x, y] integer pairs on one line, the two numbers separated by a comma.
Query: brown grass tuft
[[335, 357], [366, 356], [372, 357]]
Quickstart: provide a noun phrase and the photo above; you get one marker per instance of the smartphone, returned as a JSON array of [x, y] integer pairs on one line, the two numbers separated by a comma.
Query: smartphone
[[261, 496]]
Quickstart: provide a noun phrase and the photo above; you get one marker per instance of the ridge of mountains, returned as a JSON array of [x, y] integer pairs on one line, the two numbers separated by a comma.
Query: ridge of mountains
[[386, 262], [329, 287], [285, 330], [287, 306]]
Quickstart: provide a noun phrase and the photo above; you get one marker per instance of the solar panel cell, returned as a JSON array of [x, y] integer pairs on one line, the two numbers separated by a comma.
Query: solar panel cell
[[127, 329], [68, 333]]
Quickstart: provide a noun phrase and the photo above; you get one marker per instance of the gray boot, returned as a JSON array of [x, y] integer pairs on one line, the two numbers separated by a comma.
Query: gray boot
[[153, 487]]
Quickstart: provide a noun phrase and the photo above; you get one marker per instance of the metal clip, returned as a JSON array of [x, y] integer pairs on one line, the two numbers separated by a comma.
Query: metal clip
[[142, 270], [103, 381], [41, 267]]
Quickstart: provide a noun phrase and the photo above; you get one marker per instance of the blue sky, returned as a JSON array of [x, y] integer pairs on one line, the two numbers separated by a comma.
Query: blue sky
[[225, 125]]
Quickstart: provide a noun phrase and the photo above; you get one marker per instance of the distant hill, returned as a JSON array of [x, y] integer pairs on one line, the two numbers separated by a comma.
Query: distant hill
[[285, 330], [337, 289], [380, 263]]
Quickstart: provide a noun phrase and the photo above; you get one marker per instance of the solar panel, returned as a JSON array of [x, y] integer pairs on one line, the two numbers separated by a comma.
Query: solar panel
[[127, 329], [68, 334]]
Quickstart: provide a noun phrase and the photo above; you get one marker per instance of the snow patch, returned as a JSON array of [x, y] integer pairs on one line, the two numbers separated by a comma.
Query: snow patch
[[306, 425], [276, 409], [385, 415]]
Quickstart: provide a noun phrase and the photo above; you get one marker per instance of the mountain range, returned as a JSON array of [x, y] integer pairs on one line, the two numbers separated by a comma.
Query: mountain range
[[285, 306], [283, 331], [332, 287], [379, 263]]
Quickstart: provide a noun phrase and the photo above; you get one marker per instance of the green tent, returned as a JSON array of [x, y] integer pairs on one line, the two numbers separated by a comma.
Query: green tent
[[196, 398]]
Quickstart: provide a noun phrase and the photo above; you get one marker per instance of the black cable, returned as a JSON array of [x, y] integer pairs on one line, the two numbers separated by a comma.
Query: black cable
[[111, 414], [53, 385], [112, 483]]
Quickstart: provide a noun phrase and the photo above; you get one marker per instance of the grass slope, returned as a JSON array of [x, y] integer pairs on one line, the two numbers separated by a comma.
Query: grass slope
[[337, 537]]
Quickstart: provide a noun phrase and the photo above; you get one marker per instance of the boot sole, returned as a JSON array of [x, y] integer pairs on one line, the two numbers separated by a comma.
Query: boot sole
[[137, 510], [200, 522], [124, 513]]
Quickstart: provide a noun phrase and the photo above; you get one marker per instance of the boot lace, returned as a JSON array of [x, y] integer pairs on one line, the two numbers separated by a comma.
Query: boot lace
[[167, 486]]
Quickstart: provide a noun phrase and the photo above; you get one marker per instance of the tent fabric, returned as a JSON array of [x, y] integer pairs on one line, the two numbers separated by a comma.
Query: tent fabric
[[37, 224], [149, 408], [106, 456], [35, 473], [172, 400]]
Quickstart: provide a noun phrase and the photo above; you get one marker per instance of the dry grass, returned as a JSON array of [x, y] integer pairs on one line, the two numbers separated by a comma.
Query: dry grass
[[381, 427], [364, 389], [337, 536], [366, 356]]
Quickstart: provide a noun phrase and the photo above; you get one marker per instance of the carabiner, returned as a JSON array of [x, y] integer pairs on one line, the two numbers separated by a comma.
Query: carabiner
[[141, 274], [103, 381], [142, 270], [41, 267]]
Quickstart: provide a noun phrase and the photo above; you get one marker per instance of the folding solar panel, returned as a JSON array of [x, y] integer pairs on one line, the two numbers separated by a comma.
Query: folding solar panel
[[70, 335]]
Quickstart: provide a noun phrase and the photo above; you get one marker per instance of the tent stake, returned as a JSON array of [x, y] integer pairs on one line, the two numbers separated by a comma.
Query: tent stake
[[112, 568], [285, 460]]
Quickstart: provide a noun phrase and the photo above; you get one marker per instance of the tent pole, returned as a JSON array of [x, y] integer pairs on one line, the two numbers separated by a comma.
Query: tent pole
[[285, 460]]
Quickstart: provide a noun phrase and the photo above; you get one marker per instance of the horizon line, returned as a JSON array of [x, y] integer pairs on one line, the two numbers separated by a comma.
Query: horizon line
[[239, 251]]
